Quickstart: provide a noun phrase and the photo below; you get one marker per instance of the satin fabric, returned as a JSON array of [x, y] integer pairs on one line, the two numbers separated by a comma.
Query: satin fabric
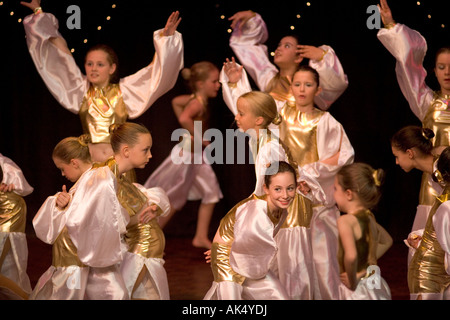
[[409, 48], [248, 45], [365, 291], [95, 222], [429, 271], [146, 244], [13, 215], [249, 232], [186, 180], [69, 85]]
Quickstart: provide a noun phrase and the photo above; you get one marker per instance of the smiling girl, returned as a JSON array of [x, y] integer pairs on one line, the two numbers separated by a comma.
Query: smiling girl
[[244, 246], [100, 97]]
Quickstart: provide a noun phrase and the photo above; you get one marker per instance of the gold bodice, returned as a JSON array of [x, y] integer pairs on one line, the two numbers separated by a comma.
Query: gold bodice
[[426, 273], [13, 212], [363, 244], [298, 131], [100, 109], [64, 252]]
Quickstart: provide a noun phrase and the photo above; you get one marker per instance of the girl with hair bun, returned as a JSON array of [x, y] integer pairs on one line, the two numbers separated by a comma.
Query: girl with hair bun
[[361, 240], [429, 269], [184, 174], [87, 261], [413, 148], [255, 112]]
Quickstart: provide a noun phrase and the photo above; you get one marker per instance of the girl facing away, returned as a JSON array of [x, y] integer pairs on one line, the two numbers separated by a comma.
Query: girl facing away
[[244, 246], [184, 174], [429, 272], [361, 240]]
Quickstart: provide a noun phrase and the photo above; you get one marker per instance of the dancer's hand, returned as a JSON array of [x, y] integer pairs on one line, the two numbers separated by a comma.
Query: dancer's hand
[[172, 24], [148, 213], [232, 70], [207, 256], [240, 18], [32, 5], [385, 12], [63, 198]]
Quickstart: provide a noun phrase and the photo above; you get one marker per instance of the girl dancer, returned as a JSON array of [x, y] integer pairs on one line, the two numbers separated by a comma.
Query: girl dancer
[[244, 245], [184, 175], [361, 240], [431, 107], [13, 217], [99, 97], [429, 272]]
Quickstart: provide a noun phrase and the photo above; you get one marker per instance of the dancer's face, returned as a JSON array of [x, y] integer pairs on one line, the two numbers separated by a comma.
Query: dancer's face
[[70, 170], [442, 71], [340, 196], [304, 88], [98, 68], [139, 154], [281, 190], [245, 117], [286, 52], [404, 159], [210, 87]]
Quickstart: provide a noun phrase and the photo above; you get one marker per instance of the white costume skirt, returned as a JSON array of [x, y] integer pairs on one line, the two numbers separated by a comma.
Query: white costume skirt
[[185, 181]]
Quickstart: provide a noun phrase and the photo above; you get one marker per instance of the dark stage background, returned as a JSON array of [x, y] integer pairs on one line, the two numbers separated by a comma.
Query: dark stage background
[[371, 110]]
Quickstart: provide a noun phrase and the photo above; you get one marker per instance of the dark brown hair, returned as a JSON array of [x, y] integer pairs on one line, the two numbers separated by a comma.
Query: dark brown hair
[[413, 137]]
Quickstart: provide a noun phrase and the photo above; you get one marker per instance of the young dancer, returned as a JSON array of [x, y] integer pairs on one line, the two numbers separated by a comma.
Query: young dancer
[[361, 240], [101, 198], [13, 217], [409, 48], [293, 263], [99, 97], [244, 245], [429, 272], [184, 174], [247, 42]]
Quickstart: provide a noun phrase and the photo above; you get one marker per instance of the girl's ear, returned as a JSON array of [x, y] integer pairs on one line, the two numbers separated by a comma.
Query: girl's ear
[[349, 194], [125, 151], [74, 163], [319, 90], [410, 153], [259, 121], [266, 190], [113, 69]]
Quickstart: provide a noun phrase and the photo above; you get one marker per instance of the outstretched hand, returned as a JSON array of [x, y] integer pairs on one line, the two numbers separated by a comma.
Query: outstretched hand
[[385, 12], [309, 52], [240, 18], [172, 24], [32, 5], [232, 70]]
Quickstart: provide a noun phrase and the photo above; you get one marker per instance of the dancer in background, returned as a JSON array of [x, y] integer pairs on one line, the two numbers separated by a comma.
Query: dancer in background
[[431, 107], [429, 271], [184, 175], [244, 245], [361, 240], [99, 97], [13, 219], [247, 42]]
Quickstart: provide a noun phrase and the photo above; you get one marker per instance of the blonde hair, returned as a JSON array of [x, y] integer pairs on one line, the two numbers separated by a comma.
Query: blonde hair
[[126, 133], [262, 105], [362, 179], [73, 148], [197, 72]]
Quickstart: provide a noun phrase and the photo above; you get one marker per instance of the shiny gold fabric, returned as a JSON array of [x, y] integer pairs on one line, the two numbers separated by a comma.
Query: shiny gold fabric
[[146, 240], [130, 197], [363, 245], [64, 251], [13, 212], [220, 264], [101, 108], [438, 120], [426, 272], [299, 133], [299, 213]]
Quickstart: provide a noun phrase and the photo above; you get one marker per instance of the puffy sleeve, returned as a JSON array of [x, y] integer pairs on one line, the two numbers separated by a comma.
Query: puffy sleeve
[[409, 48], [248, 45], [232, 93], [253, 247], [333, 80], [156, 196], [12, 174], [95, 219], [49, 220], [143, 88], [57, 69], [331, 140], [441, 223]]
